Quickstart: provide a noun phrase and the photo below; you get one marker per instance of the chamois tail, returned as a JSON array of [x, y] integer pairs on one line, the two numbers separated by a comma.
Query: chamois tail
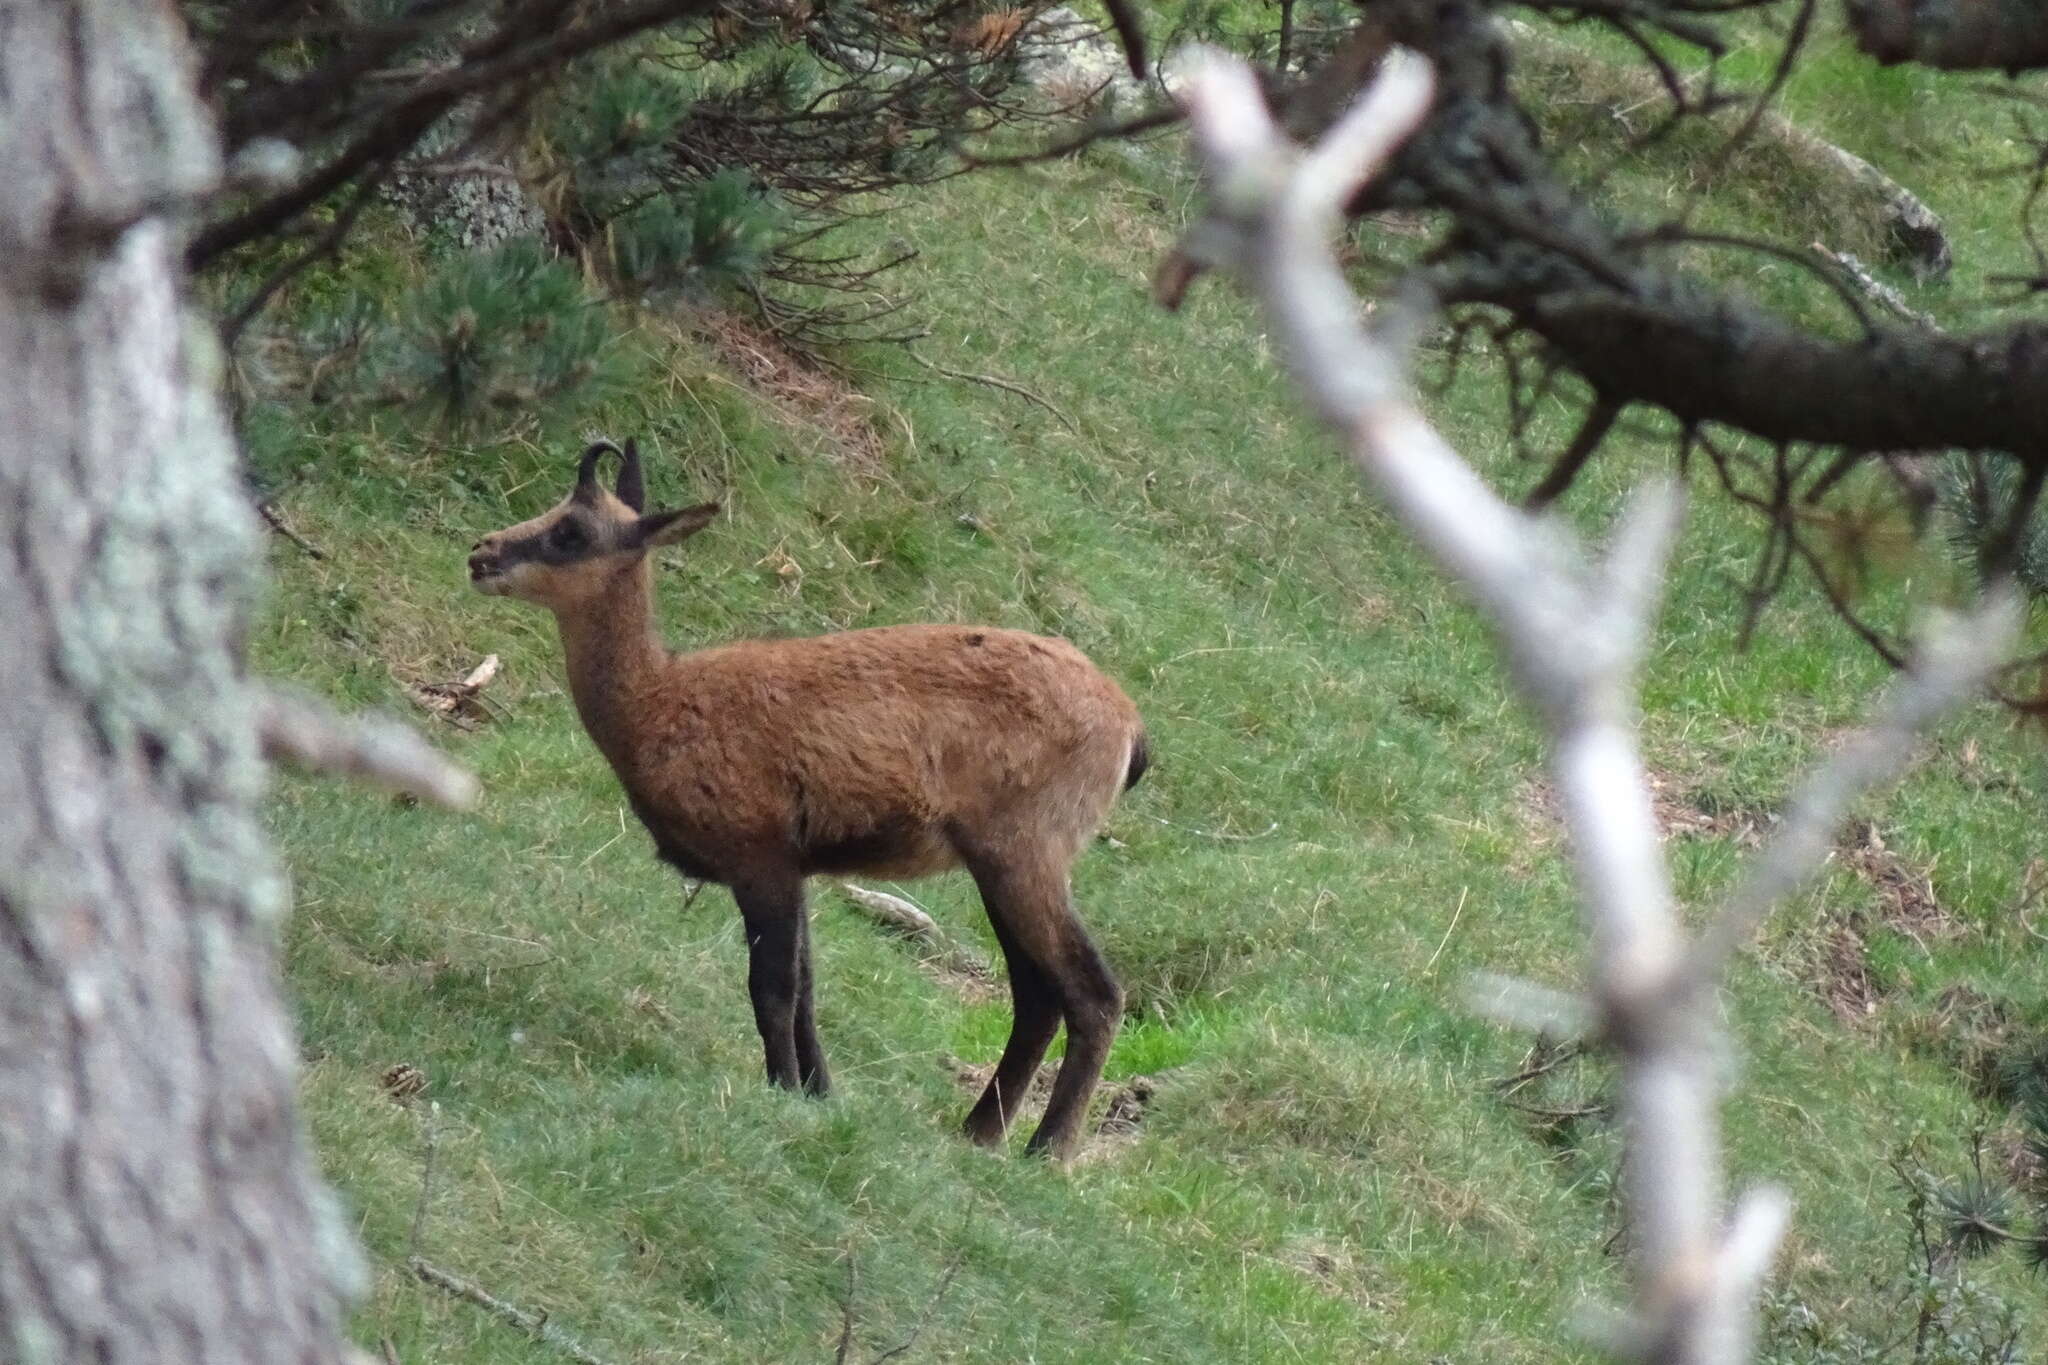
[[1141, 759]]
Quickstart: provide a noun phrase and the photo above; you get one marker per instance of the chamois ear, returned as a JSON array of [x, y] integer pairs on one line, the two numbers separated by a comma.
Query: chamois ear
[[632, 487], [668, 528]]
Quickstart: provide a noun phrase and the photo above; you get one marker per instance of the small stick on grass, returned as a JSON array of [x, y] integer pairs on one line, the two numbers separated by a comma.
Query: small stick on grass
[[1005, 385], [276, 522], [902, 917], [895, 912], [536, 1325], [429, 1141]]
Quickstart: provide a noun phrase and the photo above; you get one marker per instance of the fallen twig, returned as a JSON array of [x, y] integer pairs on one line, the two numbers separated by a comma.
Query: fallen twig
[[843, 1347], [1220, 836], [277, 524], [298, 727], [536, 1325], [1127, 1105], [1544, 1058], [902, 917], [461, 704], [429, 1142], [931, 1309], [896, 912], [1005, 385], [908, 919], [1874, 289]]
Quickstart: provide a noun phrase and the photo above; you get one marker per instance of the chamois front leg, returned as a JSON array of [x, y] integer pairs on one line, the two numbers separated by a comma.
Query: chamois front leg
[[810, 1057], [772, 909]]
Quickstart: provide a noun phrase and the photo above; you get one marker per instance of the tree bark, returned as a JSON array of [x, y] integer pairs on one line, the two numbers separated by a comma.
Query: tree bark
[[158, 1199]]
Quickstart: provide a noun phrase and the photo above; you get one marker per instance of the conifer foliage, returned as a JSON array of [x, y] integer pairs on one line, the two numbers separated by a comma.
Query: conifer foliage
[[507, 328], [678, 153]]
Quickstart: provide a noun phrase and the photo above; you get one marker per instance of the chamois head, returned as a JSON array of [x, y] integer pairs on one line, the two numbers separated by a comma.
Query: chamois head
[[573, 549]]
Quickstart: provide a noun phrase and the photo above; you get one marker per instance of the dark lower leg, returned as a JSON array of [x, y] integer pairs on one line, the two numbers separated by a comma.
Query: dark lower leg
[[810, 1057], [1054, 971], [1093, 1004], [774, 971], [1035, 1011]]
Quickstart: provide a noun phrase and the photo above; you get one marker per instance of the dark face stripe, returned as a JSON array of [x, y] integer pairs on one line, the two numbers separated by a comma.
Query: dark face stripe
[[542, 546]]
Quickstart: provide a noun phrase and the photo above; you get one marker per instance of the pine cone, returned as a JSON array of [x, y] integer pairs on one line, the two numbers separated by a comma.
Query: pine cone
[[404, 1081]]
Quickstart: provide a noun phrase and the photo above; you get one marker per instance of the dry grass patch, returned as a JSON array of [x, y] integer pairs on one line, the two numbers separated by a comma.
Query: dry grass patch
[[799, 393], [1681, 809], [1905, 904], [1338, 1271]]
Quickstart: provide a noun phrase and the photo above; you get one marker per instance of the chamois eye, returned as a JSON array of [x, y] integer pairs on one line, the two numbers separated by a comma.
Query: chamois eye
[[567, 536]]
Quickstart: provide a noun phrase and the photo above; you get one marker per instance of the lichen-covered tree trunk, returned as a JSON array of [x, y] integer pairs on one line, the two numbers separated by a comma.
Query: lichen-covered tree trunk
[[158, 1201]]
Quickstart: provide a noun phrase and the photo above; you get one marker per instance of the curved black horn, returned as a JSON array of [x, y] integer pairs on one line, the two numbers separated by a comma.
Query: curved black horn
[[632, 485], [586, 469]]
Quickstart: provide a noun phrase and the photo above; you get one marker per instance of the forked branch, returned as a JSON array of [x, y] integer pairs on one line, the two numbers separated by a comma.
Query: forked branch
[[1574, 626]]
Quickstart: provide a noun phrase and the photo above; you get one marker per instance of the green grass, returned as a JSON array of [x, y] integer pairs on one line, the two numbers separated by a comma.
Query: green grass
[[1342, 824]]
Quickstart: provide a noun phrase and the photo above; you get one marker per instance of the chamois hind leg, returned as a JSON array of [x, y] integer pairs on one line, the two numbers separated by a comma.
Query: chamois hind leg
[[1027, 895], [1094, 1005], [810, 1057], [1035, 1018], [772, 908]]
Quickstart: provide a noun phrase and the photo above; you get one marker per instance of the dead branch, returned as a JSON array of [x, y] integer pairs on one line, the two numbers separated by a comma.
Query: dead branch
[[902, 917], [1574, 627], [276, 523], [842, 1350], [1544, 1058], [1005, 385], [301, 729], [429, 1145], [1876, 290], [896, 912], [461, 704], [536, 1325], [931, 1308]]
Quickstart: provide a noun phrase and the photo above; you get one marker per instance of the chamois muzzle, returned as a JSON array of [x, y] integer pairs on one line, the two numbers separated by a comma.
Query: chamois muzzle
[[484, 564]]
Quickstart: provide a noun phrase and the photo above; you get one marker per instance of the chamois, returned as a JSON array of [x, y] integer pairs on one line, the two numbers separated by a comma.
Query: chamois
[[896, 752]]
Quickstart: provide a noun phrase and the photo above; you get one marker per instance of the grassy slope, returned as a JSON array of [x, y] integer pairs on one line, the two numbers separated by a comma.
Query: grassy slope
[[1339, 828]]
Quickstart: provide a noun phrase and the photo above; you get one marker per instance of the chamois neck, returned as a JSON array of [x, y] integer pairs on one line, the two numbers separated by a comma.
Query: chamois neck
[[610, 650]]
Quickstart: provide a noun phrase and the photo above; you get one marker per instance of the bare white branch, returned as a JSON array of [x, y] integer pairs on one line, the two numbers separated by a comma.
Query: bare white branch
[[303, 730], [1527, 1005], [1574, 629], [1956, 654], [1754, 1232]]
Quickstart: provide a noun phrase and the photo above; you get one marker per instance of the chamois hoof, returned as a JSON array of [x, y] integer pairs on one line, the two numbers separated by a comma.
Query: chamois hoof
[[983, 1131], [1059, 1152]]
